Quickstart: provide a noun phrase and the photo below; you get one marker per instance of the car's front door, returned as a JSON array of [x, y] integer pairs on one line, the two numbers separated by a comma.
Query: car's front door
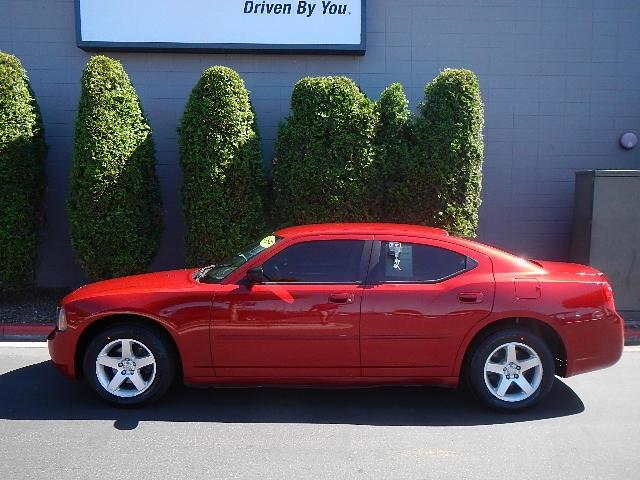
[[421, 298], [303, 320]]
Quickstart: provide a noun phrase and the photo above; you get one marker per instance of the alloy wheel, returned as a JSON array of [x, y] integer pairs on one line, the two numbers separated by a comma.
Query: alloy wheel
[[125, 368], [513, 372]]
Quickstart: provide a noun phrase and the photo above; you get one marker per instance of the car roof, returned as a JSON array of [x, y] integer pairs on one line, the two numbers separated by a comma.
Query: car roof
[[360, 228]]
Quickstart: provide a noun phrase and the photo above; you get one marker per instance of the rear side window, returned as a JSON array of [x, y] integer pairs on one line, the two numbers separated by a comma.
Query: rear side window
[[413, 263], [323, 261]]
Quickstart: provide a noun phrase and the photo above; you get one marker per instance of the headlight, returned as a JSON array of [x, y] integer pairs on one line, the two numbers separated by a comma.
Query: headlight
[[61, 325]]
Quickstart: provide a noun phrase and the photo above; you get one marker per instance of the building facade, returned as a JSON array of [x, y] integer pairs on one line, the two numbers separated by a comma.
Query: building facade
[[560, 81]]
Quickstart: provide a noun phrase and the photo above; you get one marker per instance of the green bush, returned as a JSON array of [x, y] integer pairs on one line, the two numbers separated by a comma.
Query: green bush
[[114, 202], [324, 154], [224, 179], [442, 179], [22, 154], [392, 146]]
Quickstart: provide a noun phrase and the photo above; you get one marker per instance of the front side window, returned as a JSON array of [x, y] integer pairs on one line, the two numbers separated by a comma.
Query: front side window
[[410, 262], [323, 261]]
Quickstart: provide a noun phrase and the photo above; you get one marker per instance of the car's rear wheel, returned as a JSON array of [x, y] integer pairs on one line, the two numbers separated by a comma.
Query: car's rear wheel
[[129, 365], [511, 369]]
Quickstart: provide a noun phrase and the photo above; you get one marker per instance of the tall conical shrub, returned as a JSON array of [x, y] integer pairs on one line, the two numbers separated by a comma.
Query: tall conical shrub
[[324, 153], [22, 154], [114, 203], [443, 180], [392, 146], [224, 179]]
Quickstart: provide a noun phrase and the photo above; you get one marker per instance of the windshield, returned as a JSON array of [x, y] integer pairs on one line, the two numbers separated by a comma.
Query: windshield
[[218, 272]]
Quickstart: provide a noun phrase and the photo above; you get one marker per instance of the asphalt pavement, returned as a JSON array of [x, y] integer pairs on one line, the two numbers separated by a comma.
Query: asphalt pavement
[[53, 428]]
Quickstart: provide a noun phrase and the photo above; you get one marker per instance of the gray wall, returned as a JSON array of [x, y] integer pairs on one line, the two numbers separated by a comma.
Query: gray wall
[[560, 81]]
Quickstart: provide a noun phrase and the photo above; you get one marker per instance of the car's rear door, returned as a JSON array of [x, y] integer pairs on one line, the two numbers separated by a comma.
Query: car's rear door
[[422, 297], [303, 321]]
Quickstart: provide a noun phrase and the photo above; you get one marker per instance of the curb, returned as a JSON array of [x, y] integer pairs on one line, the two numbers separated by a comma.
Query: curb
[[26, 332], [632, 335]]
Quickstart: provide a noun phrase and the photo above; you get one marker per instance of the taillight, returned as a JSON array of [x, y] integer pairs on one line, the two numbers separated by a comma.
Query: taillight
[[609, 302]]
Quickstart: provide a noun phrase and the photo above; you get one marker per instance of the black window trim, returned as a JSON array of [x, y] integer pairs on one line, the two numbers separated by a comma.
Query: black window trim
[[375, 260], [365, 260]]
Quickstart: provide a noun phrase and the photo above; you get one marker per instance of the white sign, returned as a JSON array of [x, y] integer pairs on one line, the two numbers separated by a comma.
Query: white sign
[[221, 25]]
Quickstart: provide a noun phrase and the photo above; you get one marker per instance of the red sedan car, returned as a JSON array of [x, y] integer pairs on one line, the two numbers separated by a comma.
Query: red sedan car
[[344, 304]]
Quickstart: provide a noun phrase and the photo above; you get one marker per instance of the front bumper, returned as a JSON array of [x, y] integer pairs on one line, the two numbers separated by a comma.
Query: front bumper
[[62, 351]]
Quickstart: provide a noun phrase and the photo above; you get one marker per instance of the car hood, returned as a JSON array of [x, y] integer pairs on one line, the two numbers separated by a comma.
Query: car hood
[[149, 282]]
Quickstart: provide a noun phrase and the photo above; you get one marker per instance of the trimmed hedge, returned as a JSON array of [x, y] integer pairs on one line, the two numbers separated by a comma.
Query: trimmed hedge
[[114, 204], [442, 179], [324, 153], [393, 140], [224, 179], [22, 154]]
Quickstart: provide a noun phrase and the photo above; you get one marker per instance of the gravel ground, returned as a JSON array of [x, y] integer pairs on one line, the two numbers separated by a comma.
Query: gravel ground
[[36, 307]]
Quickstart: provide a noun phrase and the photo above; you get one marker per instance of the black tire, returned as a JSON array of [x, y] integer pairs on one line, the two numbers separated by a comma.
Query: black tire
[[475, 371], [155, 343]]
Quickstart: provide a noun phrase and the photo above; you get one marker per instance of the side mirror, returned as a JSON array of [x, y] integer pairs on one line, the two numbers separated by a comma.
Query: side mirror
[[254, 276]]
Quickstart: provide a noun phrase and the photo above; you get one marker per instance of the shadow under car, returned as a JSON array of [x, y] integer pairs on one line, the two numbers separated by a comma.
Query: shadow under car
[[38, 392]]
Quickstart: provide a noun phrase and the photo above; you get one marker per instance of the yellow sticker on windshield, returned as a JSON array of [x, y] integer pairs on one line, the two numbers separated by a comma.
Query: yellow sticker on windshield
[[267, 242]]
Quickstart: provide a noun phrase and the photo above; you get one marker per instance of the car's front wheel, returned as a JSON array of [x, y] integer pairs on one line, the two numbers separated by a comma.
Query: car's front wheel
[[511, 369], [129, 365]]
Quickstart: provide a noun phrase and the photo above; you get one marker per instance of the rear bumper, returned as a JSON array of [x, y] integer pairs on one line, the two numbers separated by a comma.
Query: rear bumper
[[62, 351], [593, 344]]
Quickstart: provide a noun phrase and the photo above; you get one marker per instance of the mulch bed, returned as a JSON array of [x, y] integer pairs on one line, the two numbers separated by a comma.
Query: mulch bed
[[36, 307]]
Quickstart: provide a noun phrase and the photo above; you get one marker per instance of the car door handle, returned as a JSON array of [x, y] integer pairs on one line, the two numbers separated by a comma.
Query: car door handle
[[470, 297], [341, 298]]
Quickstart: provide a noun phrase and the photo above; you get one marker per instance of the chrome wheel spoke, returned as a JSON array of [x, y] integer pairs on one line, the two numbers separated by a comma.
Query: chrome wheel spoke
[[144, 362], [511, 353], [529, 364], [524, 385], [127, 351], [116, 382], [503, 386], [495, 368], [110, 362], [137, 381]]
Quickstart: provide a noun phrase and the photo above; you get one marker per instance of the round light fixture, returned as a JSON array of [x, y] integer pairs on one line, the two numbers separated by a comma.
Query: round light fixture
[[628, 140]]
